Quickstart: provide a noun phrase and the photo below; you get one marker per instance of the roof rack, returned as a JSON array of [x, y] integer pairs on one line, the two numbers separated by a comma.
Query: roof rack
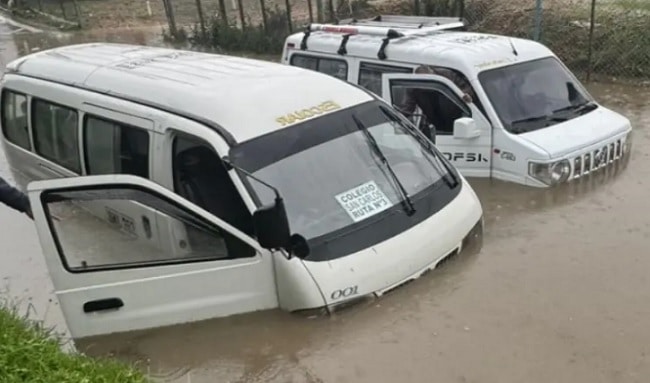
[[408, 22], [387, 26]]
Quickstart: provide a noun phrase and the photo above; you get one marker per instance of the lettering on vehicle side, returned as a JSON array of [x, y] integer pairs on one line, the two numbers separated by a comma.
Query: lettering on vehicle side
[[492, 63], [467, 157], [471, 39], [136, 63], [344, 293], [508, 156], [303, 114]]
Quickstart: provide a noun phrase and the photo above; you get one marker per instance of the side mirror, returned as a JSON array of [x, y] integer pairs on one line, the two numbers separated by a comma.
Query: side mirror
[[465, 128], [271, 226]]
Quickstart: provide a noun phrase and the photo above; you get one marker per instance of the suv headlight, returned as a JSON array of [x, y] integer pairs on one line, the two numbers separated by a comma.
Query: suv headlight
[[550, 174]]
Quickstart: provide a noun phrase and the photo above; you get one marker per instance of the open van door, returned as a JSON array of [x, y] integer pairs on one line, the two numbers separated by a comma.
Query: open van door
[[113, 273], [462, 132]]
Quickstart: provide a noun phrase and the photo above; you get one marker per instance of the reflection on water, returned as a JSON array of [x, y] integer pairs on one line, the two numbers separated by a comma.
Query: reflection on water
[[559, 291]]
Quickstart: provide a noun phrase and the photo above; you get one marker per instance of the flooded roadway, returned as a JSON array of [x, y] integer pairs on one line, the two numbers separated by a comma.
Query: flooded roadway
[[559, 293]]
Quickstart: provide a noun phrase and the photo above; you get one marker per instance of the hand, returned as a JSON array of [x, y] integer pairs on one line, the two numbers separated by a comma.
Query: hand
[[467, 98]]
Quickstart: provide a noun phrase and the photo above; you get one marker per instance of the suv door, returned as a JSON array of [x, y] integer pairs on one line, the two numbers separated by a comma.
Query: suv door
[[469, 150], [115, 274]]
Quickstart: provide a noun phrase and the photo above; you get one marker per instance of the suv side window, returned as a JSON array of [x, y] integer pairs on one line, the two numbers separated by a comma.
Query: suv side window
[[439, 105], [114, 148], [333, 67], [56, 135], [14, 119], [370, 75]]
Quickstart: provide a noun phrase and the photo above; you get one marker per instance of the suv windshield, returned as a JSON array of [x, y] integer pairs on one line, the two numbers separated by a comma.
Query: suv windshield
[[333, 180], [535, 94]]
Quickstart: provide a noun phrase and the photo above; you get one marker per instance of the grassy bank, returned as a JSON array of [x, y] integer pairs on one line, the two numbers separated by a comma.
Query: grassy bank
[[30, 353]]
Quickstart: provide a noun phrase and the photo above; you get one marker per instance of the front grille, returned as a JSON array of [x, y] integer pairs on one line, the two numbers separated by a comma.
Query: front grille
[[597, 159]]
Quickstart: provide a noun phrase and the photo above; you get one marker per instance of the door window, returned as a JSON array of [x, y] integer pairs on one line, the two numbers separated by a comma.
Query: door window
[[14, 119], [333, 67], [117, 227], [55, 130], [437, 103], [201, 177], [114, 148], [370, 75]]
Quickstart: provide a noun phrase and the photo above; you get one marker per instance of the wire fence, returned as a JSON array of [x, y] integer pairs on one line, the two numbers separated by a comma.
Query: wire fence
[[593, 37]]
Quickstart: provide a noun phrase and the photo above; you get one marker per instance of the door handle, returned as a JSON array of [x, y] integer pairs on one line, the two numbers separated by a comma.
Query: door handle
[[103, 304]]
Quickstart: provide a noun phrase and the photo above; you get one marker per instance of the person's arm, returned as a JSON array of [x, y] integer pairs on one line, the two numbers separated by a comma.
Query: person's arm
[[410, 104], [14, 198]]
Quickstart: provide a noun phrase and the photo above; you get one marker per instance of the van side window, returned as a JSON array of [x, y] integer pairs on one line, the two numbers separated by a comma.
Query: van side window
[[370, 75], [114, 148], [14, 119], [333, 67], [201, 177], [127, 227], [56, 134]]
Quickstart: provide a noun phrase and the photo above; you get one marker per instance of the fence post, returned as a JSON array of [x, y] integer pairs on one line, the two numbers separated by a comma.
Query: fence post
[[75, 6], [171, 20], [537, 33], [222, 12], [319, 11], [461, 9], [592, 22], [416, 7], [330, 10], [199, 9], [311, 11], [289, 23], [240, 6], [63, 9], [263, 10]]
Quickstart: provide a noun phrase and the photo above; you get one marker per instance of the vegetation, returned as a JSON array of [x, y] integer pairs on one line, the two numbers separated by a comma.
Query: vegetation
[[31, 353], [620, 45]]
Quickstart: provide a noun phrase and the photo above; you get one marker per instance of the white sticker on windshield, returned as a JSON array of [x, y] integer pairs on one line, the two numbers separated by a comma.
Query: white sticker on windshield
[[363, 201]]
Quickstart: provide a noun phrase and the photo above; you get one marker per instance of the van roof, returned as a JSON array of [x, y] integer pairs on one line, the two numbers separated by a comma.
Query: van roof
[[245, 97], [468, 51]]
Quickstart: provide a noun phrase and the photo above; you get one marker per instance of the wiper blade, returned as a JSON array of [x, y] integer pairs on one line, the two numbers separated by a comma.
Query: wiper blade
[[547, 118], [428, 144], [406, 200], [579, 108]]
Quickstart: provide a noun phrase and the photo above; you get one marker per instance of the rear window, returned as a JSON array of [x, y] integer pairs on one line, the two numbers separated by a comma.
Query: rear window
[[14, 119]]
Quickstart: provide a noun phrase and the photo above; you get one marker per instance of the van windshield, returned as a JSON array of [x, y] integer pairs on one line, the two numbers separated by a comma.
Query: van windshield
[[535, 94], [333, 182]]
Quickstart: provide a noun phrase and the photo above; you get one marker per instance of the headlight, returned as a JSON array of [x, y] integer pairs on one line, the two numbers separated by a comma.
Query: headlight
[[550, 174]]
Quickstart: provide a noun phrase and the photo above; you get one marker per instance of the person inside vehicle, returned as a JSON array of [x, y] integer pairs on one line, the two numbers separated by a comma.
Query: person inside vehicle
[[437, 109]]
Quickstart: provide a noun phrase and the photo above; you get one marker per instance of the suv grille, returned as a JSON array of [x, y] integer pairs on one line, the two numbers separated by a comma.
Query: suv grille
[[597, 159]]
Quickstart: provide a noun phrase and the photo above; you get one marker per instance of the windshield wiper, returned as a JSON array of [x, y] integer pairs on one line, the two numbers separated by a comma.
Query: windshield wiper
[[428, 146], [547, 118], [578, 108], [406, 200]]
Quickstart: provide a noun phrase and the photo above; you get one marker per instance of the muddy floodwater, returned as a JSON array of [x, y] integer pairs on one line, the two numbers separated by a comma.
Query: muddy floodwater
[[560, 291]]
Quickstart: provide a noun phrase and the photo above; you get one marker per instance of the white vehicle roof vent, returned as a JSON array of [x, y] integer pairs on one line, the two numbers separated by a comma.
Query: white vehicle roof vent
[[387, 26]]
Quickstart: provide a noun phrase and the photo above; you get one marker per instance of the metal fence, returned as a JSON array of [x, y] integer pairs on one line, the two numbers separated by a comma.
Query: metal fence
[[593, 37]]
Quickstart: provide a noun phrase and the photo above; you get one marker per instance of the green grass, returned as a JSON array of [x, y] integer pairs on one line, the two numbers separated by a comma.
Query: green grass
[[632, 5], [31, 353]]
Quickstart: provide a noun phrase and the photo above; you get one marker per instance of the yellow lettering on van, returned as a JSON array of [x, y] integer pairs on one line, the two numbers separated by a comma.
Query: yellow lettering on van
[[306, 113]]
